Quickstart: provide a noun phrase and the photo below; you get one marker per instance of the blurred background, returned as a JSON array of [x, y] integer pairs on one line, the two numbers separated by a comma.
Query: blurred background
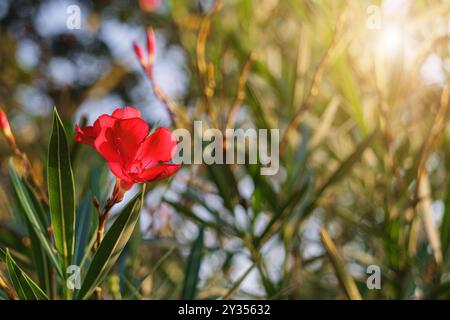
[[358, 89]]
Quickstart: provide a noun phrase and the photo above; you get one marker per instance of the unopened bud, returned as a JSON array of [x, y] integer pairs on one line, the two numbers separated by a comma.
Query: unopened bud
[[95, 202], [6, 129], [140, 54], [151, 47]]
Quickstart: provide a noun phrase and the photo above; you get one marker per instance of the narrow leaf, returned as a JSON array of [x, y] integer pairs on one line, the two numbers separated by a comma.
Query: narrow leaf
[[348, 163], [25, 287], [191, 275], [32, 216], [82, 228], [41, 261], [347, 282], [112, 245], [40, 258], [61, 191], [445, 227]]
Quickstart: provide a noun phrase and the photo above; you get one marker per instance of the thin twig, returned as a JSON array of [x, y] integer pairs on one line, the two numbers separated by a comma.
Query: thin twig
[[388, 137], [147, 65], [422, 185], [430, 227], [428, 48], [116, 197], [240, 93], [170, 105], [346, 281], [205, 69], [203, 35], [435, 132], [238, 283]]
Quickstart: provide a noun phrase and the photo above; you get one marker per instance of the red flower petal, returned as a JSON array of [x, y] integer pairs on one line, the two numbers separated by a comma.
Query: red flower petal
[[117, 169], [129, 134], [104, 142], [159, 172], [86, 135], [126, 113], [104, 121], [160, 146], [119, 140], [105, 145], [133, 156]]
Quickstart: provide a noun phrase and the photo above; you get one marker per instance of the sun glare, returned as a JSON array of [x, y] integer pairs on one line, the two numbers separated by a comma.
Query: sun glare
[[391, 40]]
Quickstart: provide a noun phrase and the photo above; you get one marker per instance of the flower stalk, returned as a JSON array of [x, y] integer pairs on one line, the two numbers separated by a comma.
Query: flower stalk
[[147, 64], [116, 197]]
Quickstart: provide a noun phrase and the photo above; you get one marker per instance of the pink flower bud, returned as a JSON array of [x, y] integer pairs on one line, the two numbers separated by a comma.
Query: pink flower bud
[[6, 129], [140, 54], [151, 46]]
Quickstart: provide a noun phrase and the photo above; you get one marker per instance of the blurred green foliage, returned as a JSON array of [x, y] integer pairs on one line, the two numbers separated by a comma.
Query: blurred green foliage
[[362, 111]]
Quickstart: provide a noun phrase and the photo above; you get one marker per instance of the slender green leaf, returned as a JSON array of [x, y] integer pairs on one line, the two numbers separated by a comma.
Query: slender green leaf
[[61, 191], [348, 163], [25, 287], [128, 262], [191, 274], [350, 89], [112, 245], [256, 107], [340, 172], [32, 216], [346, 281], [41, 261], [297, 166], [445, 227], [82, 228], [264, 191]]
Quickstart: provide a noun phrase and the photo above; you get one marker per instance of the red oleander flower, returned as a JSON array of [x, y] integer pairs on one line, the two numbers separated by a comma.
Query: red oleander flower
[[133, 155]]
